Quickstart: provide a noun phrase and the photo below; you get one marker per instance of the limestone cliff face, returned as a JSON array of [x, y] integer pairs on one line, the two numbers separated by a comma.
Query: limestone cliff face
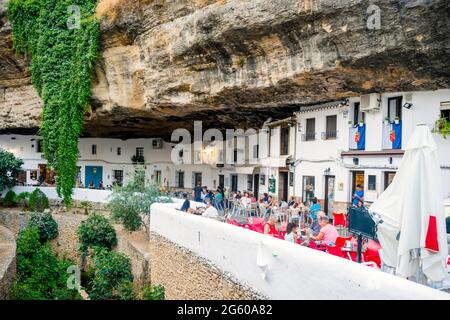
[[236, 62]]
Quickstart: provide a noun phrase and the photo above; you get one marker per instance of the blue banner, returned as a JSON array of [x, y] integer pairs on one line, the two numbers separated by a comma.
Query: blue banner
[[361, 140], [397, 138]]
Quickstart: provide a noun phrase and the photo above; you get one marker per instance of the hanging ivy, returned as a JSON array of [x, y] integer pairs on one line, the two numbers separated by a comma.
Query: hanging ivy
[[63, 39]]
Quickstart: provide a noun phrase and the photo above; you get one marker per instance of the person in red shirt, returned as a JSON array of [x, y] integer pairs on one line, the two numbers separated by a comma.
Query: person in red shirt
[[269, 227]]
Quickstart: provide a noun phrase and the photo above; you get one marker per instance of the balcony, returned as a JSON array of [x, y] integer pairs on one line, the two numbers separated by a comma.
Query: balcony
[[309, 136], [329, 135]]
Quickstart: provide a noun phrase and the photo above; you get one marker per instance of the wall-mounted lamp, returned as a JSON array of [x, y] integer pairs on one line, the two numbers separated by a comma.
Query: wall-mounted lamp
[[407, 105], [390, 160], [355, 161]]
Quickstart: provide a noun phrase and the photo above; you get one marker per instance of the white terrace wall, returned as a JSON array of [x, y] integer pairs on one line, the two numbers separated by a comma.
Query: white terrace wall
[[293, 271], [91, 195]]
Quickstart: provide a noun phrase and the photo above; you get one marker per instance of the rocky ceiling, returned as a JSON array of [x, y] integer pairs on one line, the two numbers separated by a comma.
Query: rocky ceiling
[[234, 63]]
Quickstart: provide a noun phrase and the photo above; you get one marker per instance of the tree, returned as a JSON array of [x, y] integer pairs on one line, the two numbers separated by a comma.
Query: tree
[[131, 203], [10, 167]]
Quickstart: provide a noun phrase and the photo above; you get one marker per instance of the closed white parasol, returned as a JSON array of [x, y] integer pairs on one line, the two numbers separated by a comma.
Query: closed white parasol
[[412, 234]]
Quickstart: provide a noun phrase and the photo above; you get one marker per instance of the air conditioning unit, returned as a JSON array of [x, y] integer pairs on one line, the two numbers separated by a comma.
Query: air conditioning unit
[[407, 97], [157, 143], [370, 102]]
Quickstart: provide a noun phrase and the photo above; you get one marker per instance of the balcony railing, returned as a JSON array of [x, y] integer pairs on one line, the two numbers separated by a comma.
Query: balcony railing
[[329, 135], [309, 136]]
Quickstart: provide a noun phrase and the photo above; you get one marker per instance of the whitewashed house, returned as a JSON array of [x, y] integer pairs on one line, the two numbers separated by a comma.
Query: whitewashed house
[[361, 141]]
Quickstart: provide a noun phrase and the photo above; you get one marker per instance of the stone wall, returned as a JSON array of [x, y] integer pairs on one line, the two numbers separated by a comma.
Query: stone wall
[[7, 261], [187, 276]]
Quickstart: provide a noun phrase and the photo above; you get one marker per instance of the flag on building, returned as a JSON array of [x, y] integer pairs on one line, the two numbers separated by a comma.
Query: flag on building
[[392, 136], [358, 137]]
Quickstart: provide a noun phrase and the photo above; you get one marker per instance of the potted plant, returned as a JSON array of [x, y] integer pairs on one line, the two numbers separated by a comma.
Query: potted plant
[[442, 126], [397, 120], [137, 159], [386, 121]]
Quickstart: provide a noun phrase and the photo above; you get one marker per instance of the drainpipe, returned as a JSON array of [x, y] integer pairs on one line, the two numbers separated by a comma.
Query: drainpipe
[[295, 154]]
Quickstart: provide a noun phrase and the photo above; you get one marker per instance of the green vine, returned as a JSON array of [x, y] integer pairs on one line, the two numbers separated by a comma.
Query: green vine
[[62, 63]]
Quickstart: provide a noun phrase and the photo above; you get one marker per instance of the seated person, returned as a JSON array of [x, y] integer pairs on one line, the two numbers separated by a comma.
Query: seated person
[[245, 200], [269, 227], [328, 233], [210, 211], [291, 233], [291, 201]]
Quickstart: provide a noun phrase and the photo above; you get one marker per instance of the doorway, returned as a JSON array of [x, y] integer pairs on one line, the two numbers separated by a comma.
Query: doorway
[[234, 183], [357, 179], [94, 175], [256, 186], [388, 177], [329, 194], [221, 180], [197, 178], [283, 186]]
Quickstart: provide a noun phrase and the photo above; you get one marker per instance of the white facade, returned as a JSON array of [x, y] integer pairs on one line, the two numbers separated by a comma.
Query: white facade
[[289, 156], [320, 157], [115, 155]]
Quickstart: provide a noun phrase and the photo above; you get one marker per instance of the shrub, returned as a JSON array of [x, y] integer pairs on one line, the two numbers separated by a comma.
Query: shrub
[[10, 167], [125, 291], [47, 226], [131, 203], [10, 199], [23, 198], [153, 292], [96, 231], [86, 205], [40, 274], [38, 201], [112, 275]]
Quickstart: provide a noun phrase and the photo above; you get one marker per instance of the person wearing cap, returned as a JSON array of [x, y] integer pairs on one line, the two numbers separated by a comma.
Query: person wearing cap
[[328, 233]]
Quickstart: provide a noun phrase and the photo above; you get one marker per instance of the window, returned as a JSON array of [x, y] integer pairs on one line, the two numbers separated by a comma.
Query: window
[[196, 179], [158, 177], [255, 151], [358, 116], [39, 147], [372, 183], [249, 182], [33, 175], [310, 129], [284, 141], [331, 127], [308, 189], [179, 179], [262, 180], [394, 108], [118, 177], [119, 151], [445, 110], [139, 152], [94, 149], [235, 155]]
